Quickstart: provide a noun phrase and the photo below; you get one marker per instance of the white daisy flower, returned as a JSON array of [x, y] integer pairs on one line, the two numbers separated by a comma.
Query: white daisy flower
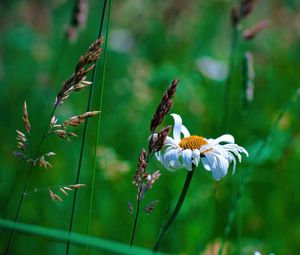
[[191, 149]]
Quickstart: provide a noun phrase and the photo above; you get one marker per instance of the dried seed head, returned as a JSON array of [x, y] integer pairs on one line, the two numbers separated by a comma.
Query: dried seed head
[[58, 198], [53, 121], [51, 193], [20, 133], [77, 81], [76, 120], [77, 186], [161, 138], [140, 171], [67, 188], [50, 154], [251, 32], [25, 118], [44, 163], [164, 106], [64, 192], [151, 206], [246, 7], [19, 154], [79, 18], [130, 208], [235, 15]]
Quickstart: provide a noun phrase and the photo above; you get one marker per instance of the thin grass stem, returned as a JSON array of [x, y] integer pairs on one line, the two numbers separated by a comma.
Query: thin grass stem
[[99, 123], [170, 221], [84, 133], [27, 181], [227, 91], [138, 208], [135, 221]]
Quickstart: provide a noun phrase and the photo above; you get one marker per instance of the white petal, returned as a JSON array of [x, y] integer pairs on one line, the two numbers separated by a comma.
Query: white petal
[[234, 162], [171, 156], [187, 159], [225, 138], [185, 131], [196, 157], [177, 127], [205, 164], [216, 173], [223, 165], [170, 141]]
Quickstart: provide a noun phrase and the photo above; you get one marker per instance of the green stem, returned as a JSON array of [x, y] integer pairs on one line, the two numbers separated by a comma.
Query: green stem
[[167, 226], [227, 92], [84, 135], [27, 181], [98, 125], [135, 221]]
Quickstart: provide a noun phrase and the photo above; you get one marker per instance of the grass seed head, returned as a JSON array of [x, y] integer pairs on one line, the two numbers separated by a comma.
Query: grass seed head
[[164, 106]]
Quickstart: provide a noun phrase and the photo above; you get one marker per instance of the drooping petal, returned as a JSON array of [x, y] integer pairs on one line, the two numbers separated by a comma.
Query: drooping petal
[[223, 165], [171, 156], [177, 127], [187, 159], [205, 164], [196, 157]]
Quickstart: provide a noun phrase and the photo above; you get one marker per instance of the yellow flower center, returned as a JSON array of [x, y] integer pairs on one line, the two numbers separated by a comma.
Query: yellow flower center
[[192, 142]]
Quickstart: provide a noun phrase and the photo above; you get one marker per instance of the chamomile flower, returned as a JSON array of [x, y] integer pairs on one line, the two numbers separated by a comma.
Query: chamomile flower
[[215, 155]]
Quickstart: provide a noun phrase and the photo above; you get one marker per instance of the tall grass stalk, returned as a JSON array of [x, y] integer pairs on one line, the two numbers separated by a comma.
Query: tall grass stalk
[[99, 122], [227, 89], [28, 179], [84, 132]]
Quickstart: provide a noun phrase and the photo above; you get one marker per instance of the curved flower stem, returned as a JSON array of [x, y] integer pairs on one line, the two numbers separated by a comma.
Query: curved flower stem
[[166, 227]]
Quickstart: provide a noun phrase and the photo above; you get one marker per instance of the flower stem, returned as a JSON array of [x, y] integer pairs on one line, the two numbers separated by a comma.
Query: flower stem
[[166, 227]]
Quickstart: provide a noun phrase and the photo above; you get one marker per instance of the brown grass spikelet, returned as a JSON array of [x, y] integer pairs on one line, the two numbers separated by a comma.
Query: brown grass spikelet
[[235, 15], [44, 163], [158, 140], [78, 119], [58, 198], [51, 193], [63, 191], [54, 196], [246, 7], [151, 206], [21, 140], [25, 118], [130, 208], [238, 12], [79, 17], [251, 32], [85, 64], [77, 186], [164, 106], [140, 171]]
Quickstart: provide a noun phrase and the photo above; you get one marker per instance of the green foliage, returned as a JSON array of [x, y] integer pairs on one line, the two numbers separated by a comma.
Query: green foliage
[[165, 40]]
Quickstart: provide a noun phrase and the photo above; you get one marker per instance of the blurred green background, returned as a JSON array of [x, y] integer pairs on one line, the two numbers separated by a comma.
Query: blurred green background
[[151, 43]]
